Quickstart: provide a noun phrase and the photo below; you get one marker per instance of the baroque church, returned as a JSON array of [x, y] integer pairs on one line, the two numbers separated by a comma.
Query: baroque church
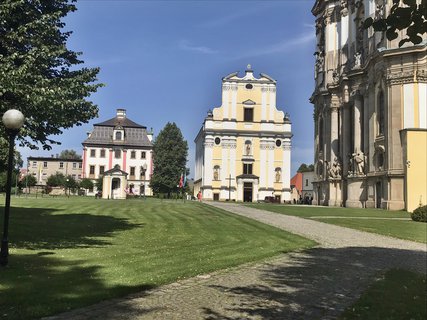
[[369, 111], [243, 150]]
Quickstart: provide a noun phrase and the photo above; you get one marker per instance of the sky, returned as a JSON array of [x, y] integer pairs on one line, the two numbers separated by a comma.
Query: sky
[[163, 61]]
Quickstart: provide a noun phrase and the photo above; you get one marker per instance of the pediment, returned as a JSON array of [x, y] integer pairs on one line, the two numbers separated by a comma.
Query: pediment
[[249, 101]]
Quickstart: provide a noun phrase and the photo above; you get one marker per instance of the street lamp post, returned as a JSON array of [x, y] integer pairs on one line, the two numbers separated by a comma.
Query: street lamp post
[[13, 121]]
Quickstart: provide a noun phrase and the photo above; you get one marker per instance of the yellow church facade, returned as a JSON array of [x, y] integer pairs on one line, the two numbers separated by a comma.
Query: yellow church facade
[[243, 150]]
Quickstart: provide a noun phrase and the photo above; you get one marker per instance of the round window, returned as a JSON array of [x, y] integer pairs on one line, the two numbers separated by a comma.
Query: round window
[[278, 143], [249, 86], [217, 140]]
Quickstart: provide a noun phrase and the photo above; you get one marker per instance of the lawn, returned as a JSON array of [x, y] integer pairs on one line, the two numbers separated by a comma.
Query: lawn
[[361, 219], [68, 253], [399, 294]]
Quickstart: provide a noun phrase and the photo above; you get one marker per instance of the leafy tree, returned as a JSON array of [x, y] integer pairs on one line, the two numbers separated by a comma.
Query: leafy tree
[[86, 184], [56, 180], [39, 74], [98, 183], [69, 154], [406, 15], [70, 182], [4, 154], [304, 168], [170, 152], [28, 181]]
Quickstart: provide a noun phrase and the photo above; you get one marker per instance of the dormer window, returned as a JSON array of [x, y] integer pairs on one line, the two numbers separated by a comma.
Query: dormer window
[[118, 133]]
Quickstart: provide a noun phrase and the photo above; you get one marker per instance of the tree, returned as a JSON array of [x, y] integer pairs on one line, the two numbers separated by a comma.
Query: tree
[[86, 184], [98, 183], [39, 74], [406, 15], [170, 152], [69, 154], [28, 182], [56, 180], [304, 168]]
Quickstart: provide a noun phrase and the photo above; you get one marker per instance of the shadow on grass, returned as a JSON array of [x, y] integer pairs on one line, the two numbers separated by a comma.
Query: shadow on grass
[[316, 284], [35, 286], [43, 229]]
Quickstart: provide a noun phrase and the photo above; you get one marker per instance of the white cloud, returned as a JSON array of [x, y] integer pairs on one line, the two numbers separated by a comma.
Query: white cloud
[[283, 46], [188, 46]]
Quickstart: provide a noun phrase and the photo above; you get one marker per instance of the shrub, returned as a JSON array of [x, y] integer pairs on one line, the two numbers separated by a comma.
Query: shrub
[[420, 214]]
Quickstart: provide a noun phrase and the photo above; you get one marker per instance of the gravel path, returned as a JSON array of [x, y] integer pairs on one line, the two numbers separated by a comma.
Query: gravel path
[[315, 284]]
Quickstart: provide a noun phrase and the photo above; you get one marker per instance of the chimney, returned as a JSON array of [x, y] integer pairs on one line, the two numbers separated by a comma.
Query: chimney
[[121, 114]]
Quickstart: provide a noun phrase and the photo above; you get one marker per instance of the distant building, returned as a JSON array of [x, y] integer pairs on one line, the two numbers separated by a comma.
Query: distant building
[[243, 149], [307, 184], [370, 110], [43, 167], [120, 143], [296, 187]]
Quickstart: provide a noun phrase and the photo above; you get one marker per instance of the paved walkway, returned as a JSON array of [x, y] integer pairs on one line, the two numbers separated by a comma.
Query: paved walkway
[[315, 284]]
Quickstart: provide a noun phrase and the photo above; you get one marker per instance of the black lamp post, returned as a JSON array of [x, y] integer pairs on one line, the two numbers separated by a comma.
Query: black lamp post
[[13, 121]]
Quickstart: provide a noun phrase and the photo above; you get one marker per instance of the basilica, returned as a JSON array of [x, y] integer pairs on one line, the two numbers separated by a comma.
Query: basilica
[[369, 111], [243, 149]]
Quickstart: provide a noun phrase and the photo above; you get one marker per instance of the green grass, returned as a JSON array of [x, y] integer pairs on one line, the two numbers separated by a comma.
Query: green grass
[[68, 253], [403, 229], [398, 295]]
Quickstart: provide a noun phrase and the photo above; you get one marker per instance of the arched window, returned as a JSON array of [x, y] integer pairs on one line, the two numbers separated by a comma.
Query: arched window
[[381, 113]]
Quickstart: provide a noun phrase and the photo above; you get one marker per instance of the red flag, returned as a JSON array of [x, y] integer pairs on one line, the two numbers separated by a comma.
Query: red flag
[[181, 181]]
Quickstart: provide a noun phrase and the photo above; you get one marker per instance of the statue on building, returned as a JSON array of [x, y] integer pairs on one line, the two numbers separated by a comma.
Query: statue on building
[[357, 59], [216, 173], [278, 175], [359, 163], [335, 169], [319, 64], [248, 149]]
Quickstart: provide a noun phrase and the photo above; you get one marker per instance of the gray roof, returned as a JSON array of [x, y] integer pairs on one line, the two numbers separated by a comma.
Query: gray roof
[[124, 122], [102, 134]]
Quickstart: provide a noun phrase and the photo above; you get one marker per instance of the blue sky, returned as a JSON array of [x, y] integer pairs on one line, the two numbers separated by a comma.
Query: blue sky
[[163, 61]]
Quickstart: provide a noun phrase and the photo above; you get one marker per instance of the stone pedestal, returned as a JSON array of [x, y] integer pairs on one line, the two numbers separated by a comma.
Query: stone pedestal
[[356, 192], [335, 193]]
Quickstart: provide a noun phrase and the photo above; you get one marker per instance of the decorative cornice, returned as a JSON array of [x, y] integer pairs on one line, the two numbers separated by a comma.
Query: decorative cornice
[[406, 77]]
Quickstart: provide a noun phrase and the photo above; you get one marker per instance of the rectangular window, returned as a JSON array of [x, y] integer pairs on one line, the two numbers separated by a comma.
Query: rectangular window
[[74, 176], [117, 154], [248, 115], [306, 182], [45, 164], [247, 168], [132, 154], [101, 169], [91, 169], [74, 165], [61, 165], [34, 163], [102, 155], [143, 155], [80, 165], [132, 171], [92, 153]]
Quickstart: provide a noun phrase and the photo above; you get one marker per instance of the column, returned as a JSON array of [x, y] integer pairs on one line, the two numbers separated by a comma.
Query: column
[[334, 133], [346, 138], [357, 123], [110, 159], [124, 160], [84, 163]]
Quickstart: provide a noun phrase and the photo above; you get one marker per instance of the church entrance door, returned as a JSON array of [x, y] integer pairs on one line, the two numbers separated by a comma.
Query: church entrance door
[[247, 192], [378, 195]]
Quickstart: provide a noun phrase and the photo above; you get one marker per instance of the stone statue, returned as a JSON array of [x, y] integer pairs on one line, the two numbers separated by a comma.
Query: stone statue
[[350, 164], [278, 176], [357, 59], [248, 149], [216, 173], [359, 162], [319, 65], [335, 169]]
